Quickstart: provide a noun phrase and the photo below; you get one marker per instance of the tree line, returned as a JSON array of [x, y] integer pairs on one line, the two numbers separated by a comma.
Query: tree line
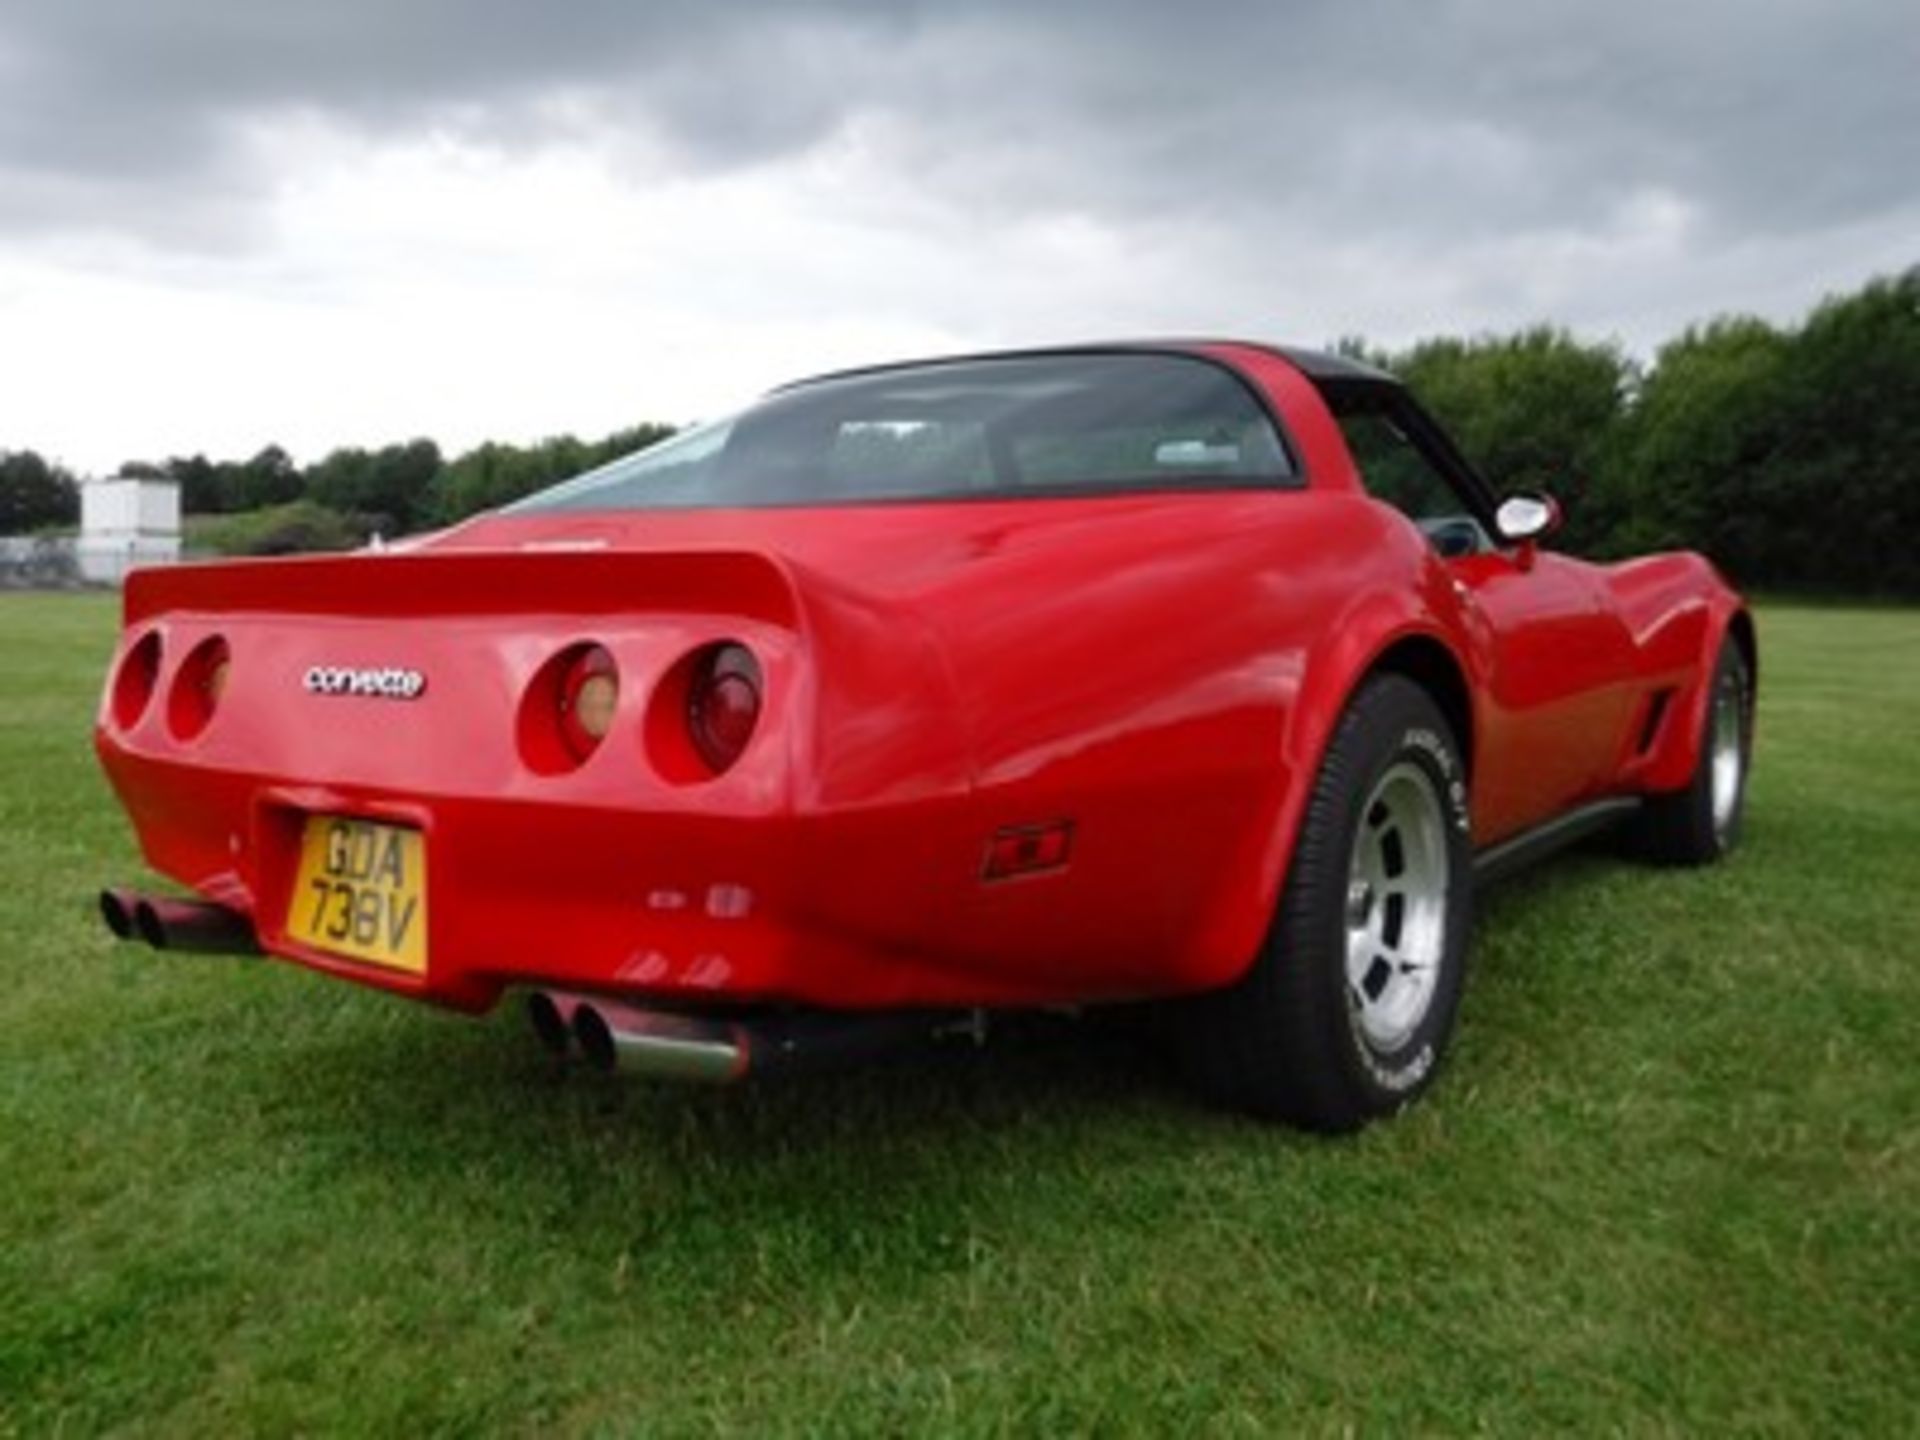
[[1790, 455], [349, 493], [397, 488]]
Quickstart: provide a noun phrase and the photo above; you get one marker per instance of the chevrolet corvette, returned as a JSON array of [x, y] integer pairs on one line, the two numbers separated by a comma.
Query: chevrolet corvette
[[1208, 674]]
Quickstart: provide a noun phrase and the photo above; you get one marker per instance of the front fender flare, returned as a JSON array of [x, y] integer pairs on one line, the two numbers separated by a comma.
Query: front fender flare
[[1678, 754]]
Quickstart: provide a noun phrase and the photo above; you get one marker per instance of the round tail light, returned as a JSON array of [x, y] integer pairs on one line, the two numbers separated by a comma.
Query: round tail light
[[134, 682], [198, 687], [589, 694], [723, 704]]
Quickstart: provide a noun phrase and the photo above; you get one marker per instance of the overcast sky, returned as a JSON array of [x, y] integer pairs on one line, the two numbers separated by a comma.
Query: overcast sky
[[229, 222]]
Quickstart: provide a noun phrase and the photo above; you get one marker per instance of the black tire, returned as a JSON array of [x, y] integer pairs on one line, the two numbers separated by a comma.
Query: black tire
[[1292, 1039], [1690, 826]]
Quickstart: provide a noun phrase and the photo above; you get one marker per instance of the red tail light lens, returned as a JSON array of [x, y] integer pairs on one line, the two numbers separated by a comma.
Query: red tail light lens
[[134, 682], [723, 704], [198, 687], [589, 694]]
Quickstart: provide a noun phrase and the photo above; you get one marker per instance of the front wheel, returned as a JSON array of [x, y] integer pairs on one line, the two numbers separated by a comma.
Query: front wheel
[[1701, 823], [1347, 1009]]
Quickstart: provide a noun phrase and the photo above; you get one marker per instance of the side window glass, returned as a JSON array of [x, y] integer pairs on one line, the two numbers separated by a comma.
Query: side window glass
[[1395, 471]]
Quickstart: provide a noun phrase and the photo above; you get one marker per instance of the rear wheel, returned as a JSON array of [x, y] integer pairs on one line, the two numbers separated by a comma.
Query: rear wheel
[[1346, 1011], [1699, 824]]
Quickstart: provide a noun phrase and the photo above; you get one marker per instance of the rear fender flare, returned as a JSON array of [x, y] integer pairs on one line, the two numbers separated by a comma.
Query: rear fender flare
[[1331, 674]]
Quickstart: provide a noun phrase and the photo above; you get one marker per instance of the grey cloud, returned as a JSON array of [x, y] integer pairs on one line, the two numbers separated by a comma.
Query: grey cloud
[[1460, 120]]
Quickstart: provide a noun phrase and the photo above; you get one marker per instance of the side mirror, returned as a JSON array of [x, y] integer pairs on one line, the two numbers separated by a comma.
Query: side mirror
[[1522, 519]]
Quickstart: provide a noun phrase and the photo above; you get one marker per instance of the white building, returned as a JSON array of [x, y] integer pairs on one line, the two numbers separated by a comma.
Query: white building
[[124, 523]]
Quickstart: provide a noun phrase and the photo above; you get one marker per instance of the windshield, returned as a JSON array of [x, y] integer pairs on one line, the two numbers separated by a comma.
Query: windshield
[[1024, 425]]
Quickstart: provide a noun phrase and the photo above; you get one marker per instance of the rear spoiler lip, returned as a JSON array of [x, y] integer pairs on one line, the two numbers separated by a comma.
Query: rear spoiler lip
[[431, 582]]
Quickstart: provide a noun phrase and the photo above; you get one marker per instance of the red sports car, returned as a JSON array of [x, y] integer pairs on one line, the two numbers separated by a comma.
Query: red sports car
[[1204, 673]]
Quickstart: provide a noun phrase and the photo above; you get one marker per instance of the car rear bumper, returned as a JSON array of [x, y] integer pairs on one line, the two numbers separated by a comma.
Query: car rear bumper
[[682, 906], [883, 905]]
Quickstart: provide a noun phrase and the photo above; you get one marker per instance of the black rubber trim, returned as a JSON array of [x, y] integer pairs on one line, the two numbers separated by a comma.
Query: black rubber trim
[[1347, 395], [1517, 852]]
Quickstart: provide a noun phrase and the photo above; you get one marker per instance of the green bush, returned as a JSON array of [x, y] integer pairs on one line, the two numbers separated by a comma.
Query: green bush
[[298, 527]]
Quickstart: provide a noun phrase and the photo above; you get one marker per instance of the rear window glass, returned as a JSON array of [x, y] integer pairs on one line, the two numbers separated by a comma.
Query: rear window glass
[[1035, 425]]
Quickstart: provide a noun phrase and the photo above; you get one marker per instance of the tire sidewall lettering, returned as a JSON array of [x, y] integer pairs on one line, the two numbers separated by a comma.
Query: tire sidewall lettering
[[1439, 751], [1404, 1071]]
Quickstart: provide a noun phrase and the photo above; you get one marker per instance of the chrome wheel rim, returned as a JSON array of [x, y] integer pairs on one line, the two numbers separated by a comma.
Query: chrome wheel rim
[[1396, 912], [1729, 749]]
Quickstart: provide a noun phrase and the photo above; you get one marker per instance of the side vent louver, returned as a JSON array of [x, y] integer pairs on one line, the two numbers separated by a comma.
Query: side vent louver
[[1650, 727]]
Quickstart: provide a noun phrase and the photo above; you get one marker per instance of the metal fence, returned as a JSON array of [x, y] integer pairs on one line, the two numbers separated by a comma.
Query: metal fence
[[40, 562]]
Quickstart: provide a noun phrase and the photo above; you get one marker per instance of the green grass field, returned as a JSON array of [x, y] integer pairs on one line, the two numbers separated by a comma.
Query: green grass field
[[1672, 1179]]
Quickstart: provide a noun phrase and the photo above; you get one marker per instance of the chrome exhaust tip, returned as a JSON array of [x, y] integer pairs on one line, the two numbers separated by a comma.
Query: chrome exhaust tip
[[595, 1039], [718, 1049], [146, 920], [549, 1025], [614, 1036], [198, 926], [116, 909]]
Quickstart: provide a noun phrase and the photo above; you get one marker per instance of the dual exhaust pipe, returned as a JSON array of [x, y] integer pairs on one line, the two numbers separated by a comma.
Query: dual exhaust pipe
[[188, 926], [614, 1035]]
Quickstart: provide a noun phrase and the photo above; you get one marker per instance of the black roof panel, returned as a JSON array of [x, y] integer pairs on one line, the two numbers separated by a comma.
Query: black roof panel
[[1316, 365], [1322, 365]]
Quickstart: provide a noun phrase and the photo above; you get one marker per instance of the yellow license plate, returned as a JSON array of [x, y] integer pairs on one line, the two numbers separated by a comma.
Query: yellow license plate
[[361, 891]]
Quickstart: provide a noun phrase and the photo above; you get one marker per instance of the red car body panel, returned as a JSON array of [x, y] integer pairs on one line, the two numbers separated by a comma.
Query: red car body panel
[[1156, 675]]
